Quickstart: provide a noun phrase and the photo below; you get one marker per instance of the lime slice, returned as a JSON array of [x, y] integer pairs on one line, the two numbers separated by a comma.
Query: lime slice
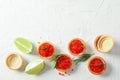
[[34, 66], [23, 45]]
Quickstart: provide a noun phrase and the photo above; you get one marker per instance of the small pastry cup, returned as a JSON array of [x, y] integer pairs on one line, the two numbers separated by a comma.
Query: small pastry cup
[[98, 43], [65, 70], [15, 61], [101, 60], [81, 53], [43, 56]]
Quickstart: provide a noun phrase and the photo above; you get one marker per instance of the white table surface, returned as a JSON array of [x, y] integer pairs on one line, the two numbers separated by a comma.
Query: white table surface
[[58, 21]]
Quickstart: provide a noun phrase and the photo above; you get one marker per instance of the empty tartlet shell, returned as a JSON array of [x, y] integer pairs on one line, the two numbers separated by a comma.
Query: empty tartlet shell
[[61, 70], [39, 44], [9, 58], [81, 53], [101, 60], [98, 43]]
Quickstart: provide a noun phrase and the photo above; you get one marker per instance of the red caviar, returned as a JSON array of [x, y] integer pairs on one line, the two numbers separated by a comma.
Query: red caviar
[[76, 46], [46, 49], [72, 69], [61, 74], [63, 63], [97, 65]]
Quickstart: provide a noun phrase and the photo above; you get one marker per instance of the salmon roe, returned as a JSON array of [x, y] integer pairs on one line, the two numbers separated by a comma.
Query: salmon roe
[[76, 46], [46, 49], [63, 62], [97, 65]]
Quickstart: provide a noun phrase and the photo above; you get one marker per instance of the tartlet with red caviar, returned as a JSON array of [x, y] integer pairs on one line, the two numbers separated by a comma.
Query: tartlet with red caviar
[[97, 65], [46, 50], [77, 47], [62, 62]]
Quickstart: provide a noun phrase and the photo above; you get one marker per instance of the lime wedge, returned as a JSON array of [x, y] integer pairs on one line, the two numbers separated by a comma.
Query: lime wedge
[[34, 66], [23, 45]]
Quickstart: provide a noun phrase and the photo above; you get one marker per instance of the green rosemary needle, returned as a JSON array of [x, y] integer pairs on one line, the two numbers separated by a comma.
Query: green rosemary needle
[[83, 58]]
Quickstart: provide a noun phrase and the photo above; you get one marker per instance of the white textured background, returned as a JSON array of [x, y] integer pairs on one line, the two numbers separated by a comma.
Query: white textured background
[[59, 21]]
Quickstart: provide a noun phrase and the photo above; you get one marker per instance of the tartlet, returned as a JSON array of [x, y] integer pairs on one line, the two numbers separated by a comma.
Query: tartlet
[[77, 47], [46, 50], [15, 61], [65, 63], [104, 43], [96, 65]]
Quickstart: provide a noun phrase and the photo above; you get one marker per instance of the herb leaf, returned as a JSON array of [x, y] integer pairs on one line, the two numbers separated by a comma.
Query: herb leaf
[[54, 64], [54, 59], [83, 58]]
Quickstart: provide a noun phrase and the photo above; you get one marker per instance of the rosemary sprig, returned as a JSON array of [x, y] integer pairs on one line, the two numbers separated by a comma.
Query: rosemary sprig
[[83, 58], [54, 59]]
